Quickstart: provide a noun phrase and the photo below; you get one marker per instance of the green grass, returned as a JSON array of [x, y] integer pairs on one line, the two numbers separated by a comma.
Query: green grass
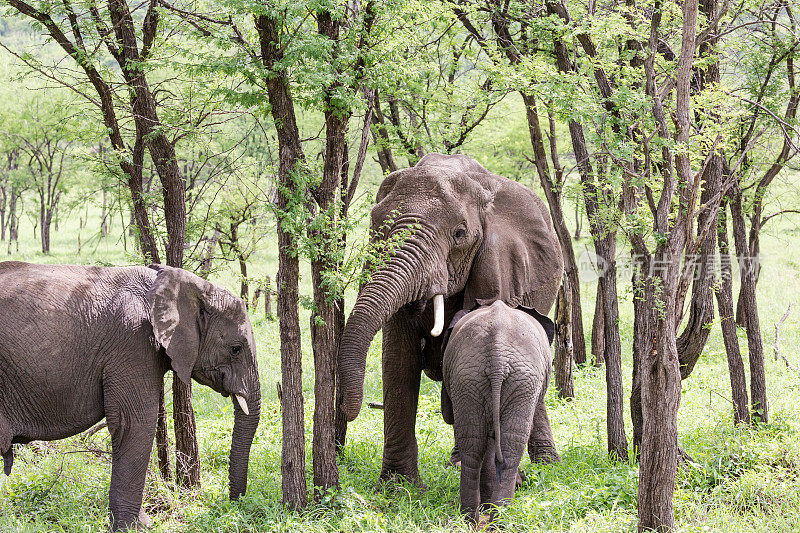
[[742, 479]]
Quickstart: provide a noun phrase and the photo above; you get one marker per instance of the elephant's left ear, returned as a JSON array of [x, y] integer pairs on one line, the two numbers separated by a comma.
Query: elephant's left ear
[[177, 314], [520, 259]]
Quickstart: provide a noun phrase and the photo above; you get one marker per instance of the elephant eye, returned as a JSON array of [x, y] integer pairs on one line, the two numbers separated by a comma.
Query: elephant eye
[[236, 350], [459, 234]]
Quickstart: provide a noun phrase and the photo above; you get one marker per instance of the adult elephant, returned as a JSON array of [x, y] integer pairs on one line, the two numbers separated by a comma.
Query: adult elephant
[[78, 343], [472, 237]]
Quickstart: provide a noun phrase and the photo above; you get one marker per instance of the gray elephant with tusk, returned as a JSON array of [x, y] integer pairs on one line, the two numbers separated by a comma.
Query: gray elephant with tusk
[[473, 237], [79, 343], [496, 371]]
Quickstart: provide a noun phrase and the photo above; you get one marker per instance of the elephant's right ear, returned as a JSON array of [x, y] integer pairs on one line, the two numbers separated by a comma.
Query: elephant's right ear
[[177, 315]]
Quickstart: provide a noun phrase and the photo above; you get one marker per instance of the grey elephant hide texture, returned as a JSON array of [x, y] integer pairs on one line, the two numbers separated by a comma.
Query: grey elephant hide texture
[[496, 370], [471, 236], [79, 343]]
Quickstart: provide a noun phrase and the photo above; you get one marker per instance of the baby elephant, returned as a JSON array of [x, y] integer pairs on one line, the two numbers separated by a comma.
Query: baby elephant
[[496, 370]]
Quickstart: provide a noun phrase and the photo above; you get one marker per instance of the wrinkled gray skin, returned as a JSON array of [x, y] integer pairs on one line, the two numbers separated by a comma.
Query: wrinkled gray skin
[[79, 343], [479, 237], [496, 370]]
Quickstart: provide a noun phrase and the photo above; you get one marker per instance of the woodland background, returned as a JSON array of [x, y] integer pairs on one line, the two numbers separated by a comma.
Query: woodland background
[[245, 142]]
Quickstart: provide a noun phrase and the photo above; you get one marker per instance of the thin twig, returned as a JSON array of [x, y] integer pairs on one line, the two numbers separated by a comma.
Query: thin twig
[[776, 348]]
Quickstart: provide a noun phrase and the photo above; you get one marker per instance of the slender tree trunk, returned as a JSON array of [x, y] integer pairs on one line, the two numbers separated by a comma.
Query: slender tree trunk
[[291, 157], [615, 422], [741, 407], [3, 213], [701, 307], [747, 274], [641, 343], [552, 188], [13, 223], [562, 363], [382, 141], [104, 214], [162, 439], [694, 337], [44, 229], [46, 225], [598, 330], [268, 299]]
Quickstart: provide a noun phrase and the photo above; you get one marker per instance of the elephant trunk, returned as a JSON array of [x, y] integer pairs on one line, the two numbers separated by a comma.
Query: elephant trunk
[[404, 279], [244, 429]]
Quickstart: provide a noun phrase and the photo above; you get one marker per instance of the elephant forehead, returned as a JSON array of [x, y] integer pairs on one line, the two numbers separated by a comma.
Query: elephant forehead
[[434, 182]]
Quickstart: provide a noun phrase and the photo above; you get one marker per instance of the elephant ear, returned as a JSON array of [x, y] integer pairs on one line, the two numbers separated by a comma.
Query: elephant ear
[[547, 324], [177, 313], [520, 259]]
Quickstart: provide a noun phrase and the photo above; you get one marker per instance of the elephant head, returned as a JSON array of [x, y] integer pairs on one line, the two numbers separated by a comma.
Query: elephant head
[[206, 333], [468, 232]]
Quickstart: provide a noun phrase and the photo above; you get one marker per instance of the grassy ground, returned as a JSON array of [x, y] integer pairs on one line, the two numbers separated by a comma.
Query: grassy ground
[[743, 480]]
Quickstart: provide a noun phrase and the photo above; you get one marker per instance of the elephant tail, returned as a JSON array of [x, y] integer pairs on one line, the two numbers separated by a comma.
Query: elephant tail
[[496, 380]]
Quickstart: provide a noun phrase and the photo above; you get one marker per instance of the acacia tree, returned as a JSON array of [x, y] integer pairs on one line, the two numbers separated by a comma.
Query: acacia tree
[[43, 133]]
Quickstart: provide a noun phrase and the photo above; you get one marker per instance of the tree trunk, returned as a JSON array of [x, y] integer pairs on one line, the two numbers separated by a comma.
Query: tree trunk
[[660, 393], [692, 340], [615, 422], [382, 143], [658, 366], [562, 362], [187, 466], [162, 153], [598, 330], [701, 307], [13, 222], [162, 438], [104, 215], [44, 226], [3, 201], [291, 157], [741, 408], [268, 300], [747, 274], [244, 287], [552, 190]]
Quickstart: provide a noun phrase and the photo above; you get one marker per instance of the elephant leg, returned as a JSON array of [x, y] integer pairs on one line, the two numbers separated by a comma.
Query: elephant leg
[[401, 376], [513, 446], [6, 450], [488, 474], [470, 484], [541, 446], [132, 423]]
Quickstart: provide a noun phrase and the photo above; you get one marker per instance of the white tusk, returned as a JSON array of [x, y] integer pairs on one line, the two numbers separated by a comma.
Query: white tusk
[[438, 315], [242, 403]]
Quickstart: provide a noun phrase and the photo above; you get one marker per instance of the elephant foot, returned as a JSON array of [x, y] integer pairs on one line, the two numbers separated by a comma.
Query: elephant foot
[[399, 477], [544, 453]]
